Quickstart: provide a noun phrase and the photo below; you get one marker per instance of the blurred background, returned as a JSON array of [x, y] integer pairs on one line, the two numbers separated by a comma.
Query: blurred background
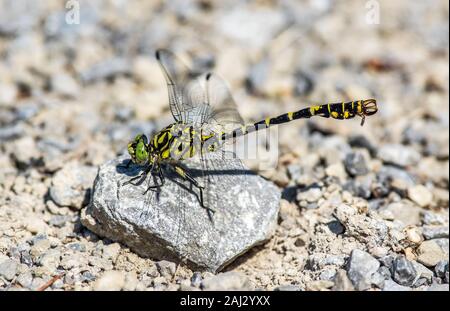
[[91, 65], [78, 79]]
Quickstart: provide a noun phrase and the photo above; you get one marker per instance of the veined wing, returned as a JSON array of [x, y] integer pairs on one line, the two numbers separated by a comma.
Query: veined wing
[[197, 99], [177, 76], [210, 102]]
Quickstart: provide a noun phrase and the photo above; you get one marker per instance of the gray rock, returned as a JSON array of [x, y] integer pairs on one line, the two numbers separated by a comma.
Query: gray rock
[[111, 251], [25, 279], [87, 276], [39, 247], [327, 274], [342, 282], [196, 279], [336, 227], [8, 269], [441, 270], [399, 155], [360, 141], [59, 220], [430, 253], [318, 261], [355, 164], [312, 194], [304, 83], [11, 132], [110, 281], [433, 218], [231, 280], [390, 285], [404, 272], [421, 195], [70, 185], [170, 224], [166, 268], [50, 259], [361, 267], [37, 283], [443, 244], [77, 247], [378, 279], [385, 272], [27, 111], [422, 273], [435, 232], [359, 188]]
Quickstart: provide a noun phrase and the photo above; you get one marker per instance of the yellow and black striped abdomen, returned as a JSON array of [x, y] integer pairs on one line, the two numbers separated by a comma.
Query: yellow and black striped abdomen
[[340, 111]]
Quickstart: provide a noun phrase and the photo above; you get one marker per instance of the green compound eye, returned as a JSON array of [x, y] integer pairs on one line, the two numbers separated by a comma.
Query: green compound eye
[[138, 149], [141, 153]]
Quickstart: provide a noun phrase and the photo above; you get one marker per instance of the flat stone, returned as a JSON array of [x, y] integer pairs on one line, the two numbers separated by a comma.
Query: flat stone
[[110, 281], [361, 267], [422, 272], [170, 224], [435, 232], [420, 195], [342, 282], [399, 155], [355, 164], [390, 285], [231, 280], [430, 253], [71, 185], [404, 271], [8, 269]]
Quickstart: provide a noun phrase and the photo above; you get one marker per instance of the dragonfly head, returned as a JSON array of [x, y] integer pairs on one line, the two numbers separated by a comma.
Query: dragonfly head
[[138, 149], [369, 107]]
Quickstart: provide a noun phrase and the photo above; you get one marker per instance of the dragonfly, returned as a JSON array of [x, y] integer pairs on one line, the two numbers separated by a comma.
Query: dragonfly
[[205, 118]]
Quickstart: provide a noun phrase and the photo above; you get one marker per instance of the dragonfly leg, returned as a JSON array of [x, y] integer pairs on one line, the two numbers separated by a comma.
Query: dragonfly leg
[[161, 179], [141, 177], [363, 119], [185, 175]]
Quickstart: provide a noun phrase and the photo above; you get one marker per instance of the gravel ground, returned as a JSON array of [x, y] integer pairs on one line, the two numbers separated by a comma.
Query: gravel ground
[[364, 208]]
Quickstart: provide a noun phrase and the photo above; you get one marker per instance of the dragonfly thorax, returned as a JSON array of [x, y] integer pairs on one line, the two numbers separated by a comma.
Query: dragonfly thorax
[[177, 141]]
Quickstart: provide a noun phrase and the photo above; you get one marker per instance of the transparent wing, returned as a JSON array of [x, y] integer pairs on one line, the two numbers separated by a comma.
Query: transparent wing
[[197, 99], [177, 76], [209, 100]]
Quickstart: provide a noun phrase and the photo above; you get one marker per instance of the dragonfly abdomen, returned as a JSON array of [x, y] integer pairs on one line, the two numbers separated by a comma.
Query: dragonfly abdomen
[[340, 111]]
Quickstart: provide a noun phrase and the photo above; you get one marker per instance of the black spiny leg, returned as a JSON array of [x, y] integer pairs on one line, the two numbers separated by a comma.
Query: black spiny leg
[[180, 171], [161, 179], [141, 177]]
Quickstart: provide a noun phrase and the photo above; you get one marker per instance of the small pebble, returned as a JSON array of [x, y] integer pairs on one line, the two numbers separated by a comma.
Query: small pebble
[[435, 232], [110, 281], [420, 195], [231, 280], [361, 267], [404, 272], [8, 269], [166, 268], [430, 253], [390, 285], [355, 164]]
